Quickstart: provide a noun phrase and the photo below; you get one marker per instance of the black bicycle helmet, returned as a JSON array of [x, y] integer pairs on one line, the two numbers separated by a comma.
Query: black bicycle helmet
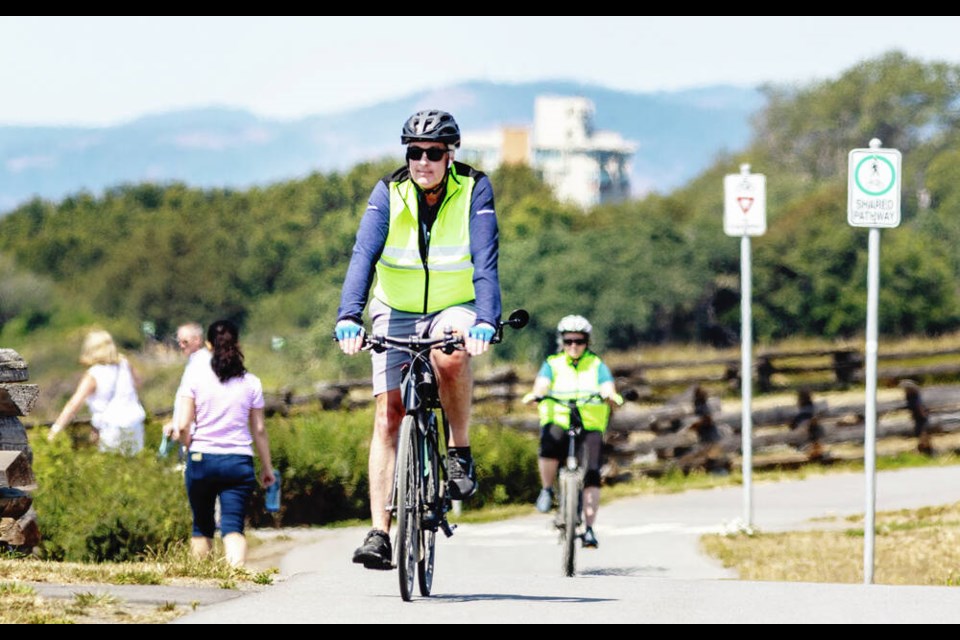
[[431, 125]]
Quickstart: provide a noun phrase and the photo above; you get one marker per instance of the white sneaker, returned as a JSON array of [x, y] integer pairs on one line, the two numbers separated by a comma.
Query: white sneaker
[[545, 500]]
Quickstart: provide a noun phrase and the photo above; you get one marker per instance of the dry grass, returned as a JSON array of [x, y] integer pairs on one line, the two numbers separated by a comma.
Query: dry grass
[[920, 547], [22, 604]]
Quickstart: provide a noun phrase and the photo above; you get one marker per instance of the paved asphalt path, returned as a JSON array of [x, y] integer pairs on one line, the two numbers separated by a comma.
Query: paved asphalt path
[[648, 568]]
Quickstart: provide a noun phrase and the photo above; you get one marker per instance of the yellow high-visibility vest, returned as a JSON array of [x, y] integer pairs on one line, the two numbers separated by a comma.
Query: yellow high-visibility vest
[[404, 281], [575, 382]]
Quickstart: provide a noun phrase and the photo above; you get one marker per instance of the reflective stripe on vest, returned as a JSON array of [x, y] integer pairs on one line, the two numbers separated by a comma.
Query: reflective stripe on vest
[[402, 281], [575, 382]]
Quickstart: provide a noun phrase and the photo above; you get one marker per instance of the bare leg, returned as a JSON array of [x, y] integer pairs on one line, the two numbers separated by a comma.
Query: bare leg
[[200, 546], [591, 504], [548, 471], [383, 456], [235, 549], [456, 393]]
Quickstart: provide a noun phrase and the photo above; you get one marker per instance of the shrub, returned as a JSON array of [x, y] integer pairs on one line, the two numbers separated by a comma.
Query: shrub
[[93, 506], [99, 507], [322, 459]]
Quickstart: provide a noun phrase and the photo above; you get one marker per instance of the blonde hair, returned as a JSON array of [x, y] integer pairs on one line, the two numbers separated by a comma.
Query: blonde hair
[[99, 348]]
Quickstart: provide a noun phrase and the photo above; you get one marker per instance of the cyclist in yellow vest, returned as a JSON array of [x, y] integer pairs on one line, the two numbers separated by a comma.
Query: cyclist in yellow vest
[[430, 236], [574, 372]]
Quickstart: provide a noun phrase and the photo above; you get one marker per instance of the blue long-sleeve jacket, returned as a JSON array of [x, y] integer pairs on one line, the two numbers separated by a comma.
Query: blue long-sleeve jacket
[[372, 237]]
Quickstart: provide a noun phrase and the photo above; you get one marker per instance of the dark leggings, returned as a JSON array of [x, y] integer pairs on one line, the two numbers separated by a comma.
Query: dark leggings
[[553, 444]]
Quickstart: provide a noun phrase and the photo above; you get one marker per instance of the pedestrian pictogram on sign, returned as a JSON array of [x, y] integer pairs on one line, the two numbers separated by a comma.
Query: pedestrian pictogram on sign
[[745, 208], [873, 188]]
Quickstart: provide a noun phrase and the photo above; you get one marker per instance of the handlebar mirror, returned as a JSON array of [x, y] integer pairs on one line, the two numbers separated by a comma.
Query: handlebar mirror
[[518, 319]]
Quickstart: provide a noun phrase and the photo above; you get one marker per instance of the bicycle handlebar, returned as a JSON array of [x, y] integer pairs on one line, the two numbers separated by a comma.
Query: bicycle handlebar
[[448, 343], [593, 398]]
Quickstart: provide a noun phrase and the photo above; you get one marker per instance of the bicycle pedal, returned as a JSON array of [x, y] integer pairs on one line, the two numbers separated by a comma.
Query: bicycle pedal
[[447, 528], [429, 520]]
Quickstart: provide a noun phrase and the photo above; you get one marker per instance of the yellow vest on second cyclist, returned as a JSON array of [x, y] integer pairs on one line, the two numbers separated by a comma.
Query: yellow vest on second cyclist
[[575, 382], [404, 282]]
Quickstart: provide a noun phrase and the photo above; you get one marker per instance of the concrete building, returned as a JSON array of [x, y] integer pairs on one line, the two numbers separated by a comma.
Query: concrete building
[[582, 165]]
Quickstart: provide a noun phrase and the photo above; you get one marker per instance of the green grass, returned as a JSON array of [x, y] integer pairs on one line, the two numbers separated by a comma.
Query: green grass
[[264, 577], [15, 589]]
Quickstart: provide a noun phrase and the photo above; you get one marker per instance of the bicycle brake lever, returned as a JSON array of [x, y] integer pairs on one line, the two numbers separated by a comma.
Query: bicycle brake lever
[[453, 346], [372, 344]]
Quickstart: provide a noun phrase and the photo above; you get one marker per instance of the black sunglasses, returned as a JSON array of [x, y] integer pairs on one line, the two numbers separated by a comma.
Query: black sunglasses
[[433, 153], [574, 341]]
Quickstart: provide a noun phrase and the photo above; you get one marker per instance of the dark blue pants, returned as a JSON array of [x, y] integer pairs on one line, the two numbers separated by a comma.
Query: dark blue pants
[[232, 478]]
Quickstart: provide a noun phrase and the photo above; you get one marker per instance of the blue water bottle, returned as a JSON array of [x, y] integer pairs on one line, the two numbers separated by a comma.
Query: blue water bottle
[[164, 447], [272, 501]]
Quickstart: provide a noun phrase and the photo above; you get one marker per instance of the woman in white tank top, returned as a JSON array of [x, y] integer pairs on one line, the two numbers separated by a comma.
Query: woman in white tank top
[[109, 388]]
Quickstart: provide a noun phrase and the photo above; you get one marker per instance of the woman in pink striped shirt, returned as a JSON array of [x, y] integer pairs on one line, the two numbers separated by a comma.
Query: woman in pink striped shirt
[[226, 402]]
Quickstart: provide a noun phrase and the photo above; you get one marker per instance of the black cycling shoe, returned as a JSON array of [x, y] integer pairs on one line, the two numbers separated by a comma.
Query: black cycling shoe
[[589, 539], [463, 477], [375, 552]]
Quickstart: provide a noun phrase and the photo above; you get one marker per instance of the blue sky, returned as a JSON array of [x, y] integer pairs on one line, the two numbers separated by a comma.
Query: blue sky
[[105, 70]]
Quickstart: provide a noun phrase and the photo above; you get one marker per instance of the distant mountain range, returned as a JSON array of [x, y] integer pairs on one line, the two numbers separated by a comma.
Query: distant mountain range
[[678, 134]]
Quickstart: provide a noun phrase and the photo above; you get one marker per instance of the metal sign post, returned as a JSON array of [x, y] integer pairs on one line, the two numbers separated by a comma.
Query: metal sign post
[[873, 201], [745, 215]]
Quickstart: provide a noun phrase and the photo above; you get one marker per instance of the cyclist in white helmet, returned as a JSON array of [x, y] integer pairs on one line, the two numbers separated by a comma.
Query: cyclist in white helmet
[[574, 371]]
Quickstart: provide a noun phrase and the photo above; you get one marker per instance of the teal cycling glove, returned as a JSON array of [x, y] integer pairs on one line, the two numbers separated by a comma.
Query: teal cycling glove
[[347, 329], [481, 331]]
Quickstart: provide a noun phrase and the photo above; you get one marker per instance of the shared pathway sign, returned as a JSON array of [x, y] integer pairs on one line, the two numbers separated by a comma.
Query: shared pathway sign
[[873, 188], [873, 201]]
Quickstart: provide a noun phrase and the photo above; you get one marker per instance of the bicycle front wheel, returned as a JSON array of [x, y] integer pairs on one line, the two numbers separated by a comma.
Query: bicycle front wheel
[[569, 505], [408, 507], [433, 487]]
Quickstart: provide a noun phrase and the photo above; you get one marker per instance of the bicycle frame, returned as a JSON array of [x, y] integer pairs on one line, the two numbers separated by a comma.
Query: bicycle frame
[[419, 497], [420, 393]]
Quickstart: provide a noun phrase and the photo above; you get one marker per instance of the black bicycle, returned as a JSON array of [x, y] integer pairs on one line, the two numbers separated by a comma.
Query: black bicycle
[[420, 498], [570, 481]]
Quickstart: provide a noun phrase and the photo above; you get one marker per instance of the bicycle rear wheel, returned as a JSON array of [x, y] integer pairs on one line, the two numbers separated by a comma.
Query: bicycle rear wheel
[[433, 487], [569, 499], [408, 507]]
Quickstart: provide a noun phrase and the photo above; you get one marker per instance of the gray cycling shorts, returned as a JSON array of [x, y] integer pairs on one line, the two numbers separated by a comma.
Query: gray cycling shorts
[[400, 324]]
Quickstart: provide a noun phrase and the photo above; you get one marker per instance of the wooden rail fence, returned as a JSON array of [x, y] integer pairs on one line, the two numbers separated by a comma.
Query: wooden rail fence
[[18, 519], [651, 439], [773, 371]]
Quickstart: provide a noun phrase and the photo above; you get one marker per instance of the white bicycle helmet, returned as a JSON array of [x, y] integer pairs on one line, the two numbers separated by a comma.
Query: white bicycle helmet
[[574, 324]]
